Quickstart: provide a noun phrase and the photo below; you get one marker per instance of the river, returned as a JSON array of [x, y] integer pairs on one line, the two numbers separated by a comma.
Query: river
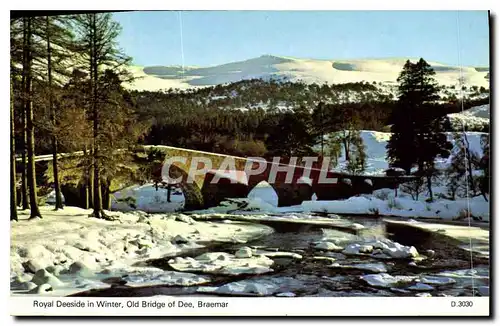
[[319, 272]]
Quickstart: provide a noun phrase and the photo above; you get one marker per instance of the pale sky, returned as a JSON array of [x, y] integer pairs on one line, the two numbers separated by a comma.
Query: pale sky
[[216, 37]]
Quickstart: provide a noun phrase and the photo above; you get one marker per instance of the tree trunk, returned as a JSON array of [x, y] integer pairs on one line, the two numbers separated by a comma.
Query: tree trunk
[[97, 199], [85, 199], [345, 141], [322, 142], [35, 212], [469, 165], [429, 187], [483, 193], [85, 184], [52, 111], [418, 184], [57, 185], [24, 172], [13, 181], [90, 181], [97, 194], [24, 186], [106, 196]]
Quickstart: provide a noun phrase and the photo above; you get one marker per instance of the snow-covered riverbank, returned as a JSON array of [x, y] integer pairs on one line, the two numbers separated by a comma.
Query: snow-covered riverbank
[[69, 252], [382, 202], [477, 208]]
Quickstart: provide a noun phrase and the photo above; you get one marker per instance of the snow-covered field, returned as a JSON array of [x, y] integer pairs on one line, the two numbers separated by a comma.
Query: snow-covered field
[[404, 206], [68, 252], [376, 142], [475, 117], [383, 71]]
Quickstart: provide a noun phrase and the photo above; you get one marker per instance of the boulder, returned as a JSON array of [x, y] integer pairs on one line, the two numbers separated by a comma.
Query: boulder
[[244, 252], [81, 269], [42, 276], [34, 265], [179, 239], [55, 270], [326, 245], [185, 219], [41, 289]]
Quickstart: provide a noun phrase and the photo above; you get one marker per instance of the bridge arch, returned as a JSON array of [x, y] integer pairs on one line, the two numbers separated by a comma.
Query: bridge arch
[[265, 192]]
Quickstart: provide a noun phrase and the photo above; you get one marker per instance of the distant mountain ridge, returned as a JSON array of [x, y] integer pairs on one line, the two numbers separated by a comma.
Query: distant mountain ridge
[[309, 71]]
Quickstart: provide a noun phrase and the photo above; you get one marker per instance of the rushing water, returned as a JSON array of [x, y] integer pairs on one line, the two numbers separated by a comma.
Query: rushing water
[[316, 277]]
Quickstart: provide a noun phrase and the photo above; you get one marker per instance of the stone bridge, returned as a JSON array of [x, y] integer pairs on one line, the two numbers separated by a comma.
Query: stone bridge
[[218, 180], [292, 183]]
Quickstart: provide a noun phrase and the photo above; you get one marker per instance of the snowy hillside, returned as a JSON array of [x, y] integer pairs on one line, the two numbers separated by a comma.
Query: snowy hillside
[[383, 71], [376, 142], [475, 117]]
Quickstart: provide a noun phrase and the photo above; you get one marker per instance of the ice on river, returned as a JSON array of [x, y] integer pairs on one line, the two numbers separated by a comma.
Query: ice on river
[[377, 248], [370, 267], [385, 280], [278, 286], [223, 263]]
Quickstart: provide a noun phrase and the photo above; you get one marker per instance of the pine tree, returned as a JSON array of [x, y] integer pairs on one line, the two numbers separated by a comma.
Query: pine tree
[[73, 129], [291, 134], [431, 143], [30, 131], [334, 148], [118, 131], [357, 158], [417, 130], [401, 148], [15, 61], [18, 43], [347, 121], [320, 123], [13, 181], [59, 45], [460, 172]]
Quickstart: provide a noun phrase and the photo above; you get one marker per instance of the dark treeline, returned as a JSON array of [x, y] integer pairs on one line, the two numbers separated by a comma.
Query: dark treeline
[[188, 120], [243, 118]]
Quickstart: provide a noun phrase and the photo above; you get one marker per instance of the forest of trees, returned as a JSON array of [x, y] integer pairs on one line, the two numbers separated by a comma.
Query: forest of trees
[[68, 95]]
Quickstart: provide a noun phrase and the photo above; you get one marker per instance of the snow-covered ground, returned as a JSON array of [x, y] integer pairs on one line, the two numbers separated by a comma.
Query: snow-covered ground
[[383, 71], [68, 252], [403, 205], [474, 118], [146, 198], [376, 142], [384, 202]]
